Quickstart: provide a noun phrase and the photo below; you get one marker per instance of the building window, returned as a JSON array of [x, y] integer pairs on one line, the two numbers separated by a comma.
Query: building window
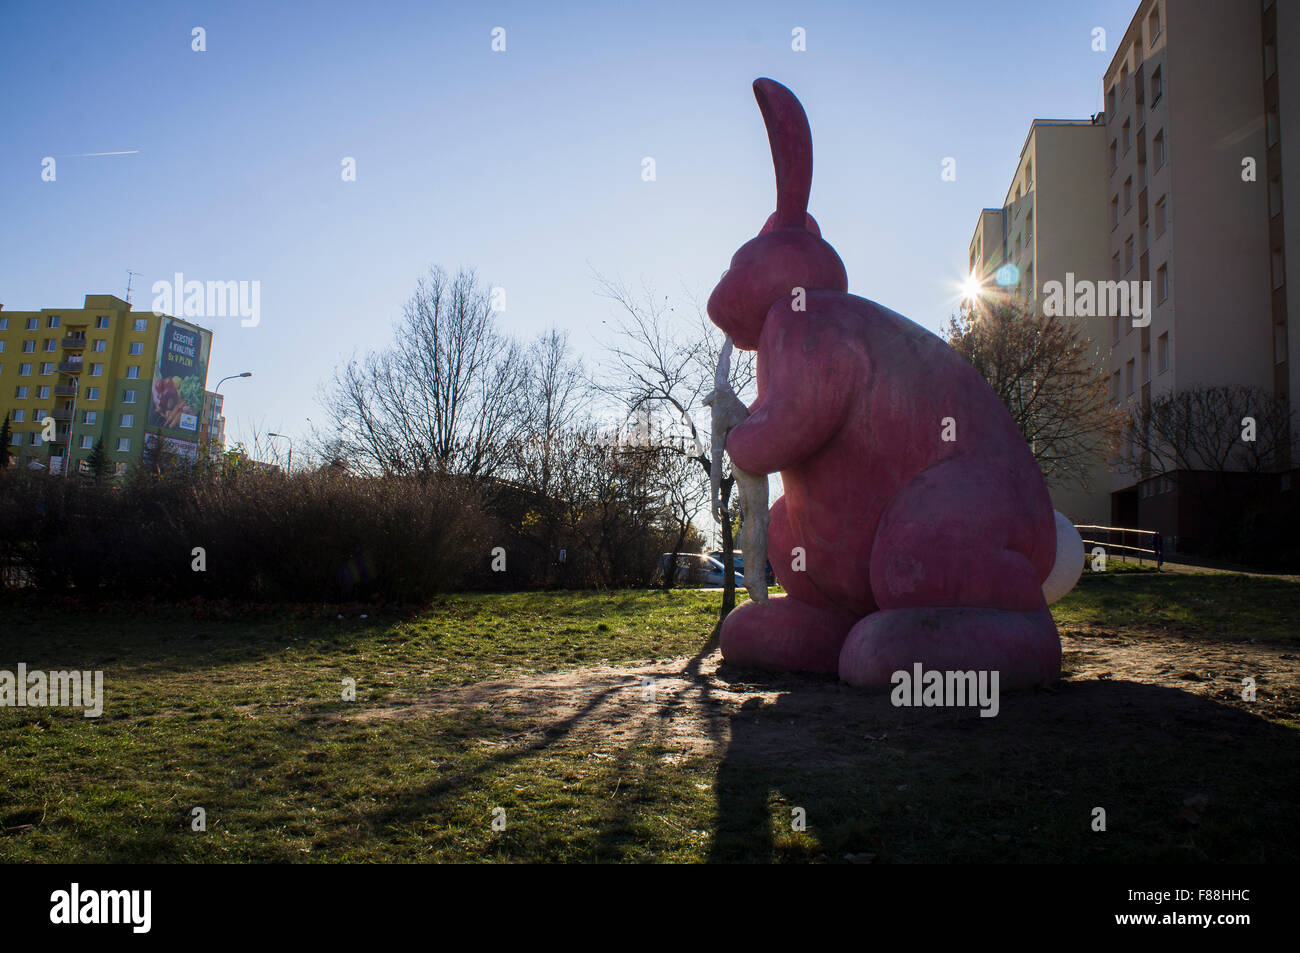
[[51, 344], [43, 393], [1128, 254], [1114, 386], [2, 346], [1128, 377], [133, 372], [1279, 269], [1128, 193], [101, 322], [87, 442], [96, 370], [1114, 267], [1153, 25], [53, 321], [1162, 215], [1126, 136], [1114, 211], [1114, 328], [33, 324], [89, 416], [1158, 145], [1162, 284], [92, 393], [47, 368], [1279, 343], [137, 347], [1157, 86], [20, 415], [4, 324], [99, 347], [1123, 76], [1270, 58], [24, 370], [1110, 101], [140, 324], [20, 393], [1270, 129], [128, 397], [29, 347], [123, 444], [36, 438], [1274, 198], [128, 420], [1114, 156], [1146, 365]]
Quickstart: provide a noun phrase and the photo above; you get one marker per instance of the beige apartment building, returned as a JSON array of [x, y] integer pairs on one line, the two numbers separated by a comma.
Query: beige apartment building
[[1051, 227], [1198, 94], [1189, 180]]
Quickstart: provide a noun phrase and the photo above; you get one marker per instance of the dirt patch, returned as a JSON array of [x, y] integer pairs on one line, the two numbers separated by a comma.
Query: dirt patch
[[698, 706]]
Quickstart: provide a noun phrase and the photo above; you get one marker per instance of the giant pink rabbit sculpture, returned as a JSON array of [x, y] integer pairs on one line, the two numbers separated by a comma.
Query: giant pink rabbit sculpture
[[895, 545]]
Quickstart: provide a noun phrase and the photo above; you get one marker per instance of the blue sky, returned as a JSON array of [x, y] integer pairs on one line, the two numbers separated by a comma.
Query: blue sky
[[525, 164]]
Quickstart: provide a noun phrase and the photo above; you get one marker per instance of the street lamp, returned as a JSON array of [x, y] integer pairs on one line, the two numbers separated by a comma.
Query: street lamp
[[288, 467], [217, 390]]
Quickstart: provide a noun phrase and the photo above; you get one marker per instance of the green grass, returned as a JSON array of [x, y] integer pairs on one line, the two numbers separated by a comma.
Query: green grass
[[239, 712], [1223, 607]]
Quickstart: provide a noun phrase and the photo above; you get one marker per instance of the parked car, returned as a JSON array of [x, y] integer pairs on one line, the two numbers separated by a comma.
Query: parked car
[[738, 561], [693, 569]]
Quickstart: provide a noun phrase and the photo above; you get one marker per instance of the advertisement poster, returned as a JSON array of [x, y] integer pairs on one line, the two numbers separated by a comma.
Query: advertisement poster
[[183, 449], [179, 377]]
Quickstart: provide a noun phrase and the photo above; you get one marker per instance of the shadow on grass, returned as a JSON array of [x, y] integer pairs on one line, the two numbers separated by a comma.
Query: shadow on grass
[[1180, 778]]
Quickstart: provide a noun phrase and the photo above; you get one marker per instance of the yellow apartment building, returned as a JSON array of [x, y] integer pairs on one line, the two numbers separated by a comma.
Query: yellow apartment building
[[70, 377]]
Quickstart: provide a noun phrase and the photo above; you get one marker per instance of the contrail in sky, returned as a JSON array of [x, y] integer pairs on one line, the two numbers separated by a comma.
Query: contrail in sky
[[86, 155]]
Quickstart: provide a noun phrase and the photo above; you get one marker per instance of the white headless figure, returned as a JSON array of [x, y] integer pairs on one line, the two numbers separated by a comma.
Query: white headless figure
[[727, 411]]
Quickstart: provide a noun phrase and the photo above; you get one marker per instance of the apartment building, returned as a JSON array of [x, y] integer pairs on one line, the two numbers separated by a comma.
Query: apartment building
[[212, 425], [1051, 227], [99, 372], [1200, 94]]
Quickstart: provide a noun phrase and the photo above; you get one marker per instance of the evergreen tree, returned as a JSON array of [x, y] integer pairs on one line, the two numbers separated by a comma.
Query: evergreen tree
[[4, 442], [98, 460]]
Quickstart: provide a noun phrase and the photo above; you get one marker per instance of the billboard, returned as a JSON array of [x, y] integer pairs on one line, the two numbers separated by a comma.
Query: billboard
[[180, 375], [182, 449]]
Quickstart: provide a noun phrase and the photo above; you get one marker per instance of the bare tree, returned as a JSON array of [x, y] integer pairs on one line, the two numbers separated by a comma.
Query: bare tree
[[1043, 369], [1217, 445], [449, 396], [557, 397], [661, 358], [1220, 430]]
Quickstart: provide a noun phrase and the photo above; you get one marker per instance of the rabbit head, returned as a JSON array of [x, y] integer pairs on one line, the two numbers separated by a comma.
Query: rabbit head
[[789, 252]]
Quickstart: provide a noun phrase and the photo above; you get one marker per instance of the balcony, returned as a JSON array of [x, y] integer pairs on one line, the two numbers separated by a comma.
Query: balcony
[[61, 413], [73, 342], [65, 390], [69, 367]]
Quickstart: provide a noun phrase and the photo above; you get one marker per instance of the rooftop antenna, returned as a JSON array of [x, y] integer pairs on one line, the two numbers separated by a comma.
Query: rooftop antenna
[[130, 276]]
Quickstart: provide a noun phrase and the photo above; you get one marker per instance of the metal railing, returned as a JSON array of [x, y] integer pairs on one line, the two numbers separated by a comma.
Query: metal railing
[[1105, 537]]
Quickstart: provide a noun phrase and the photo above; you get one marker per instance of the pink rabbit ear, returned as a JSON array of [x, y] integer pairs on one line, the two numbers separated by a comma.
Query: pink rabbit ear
[[791, 140]]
